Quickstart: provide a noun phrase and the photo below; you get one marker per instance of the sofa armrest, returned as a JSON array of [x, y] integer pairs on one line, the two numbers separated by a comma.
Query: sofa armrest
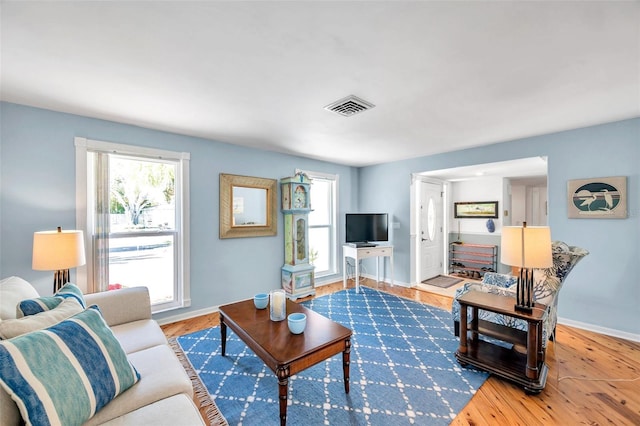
[[123, 305]]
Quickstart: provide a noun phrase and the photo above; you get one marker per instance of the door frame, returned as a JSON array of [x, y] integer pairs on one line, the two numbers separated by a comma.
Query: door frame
[[415, 200]]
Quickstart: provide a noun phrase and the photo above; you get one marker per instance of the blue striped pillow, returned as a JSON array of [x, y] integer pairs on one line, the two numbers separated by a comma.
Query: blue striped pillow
[[42, 304], [66, 373]]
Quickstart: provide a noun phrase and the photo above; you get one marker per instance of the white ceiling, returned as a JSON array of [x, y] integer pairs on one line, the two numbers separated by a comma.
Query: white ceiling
[[443, 75], [523, 171]]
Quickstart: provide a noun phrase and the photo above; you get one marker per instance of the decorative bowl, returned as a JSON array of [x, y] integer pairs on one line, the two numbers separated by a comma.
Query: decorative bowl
[[297, 322], [261, 300]]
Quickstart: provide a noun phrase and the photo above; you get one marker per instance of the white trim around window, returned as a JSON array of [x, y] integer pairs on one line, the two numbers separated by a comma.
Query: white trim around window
[[332, 225], [84, 212]]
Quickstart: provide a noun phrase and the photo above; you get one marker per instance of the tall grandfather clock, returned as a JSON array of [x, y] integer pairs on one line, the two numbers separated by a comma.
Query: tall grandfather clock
[[297, 272]]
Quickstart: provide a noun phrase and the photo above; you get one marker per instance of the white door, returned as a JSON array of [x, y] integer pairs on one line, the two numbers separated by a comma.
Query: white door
[[538, 206], [431, 240]]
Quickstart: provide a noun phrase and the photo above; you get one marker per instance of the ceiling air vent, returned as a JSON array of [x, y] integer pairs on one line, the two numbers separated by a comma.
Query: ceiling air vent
[[351, 105]]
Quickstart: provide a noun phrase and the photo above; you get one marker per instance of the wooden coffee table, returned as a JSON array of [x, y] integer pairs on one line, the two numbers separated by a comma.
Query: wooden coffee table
[[285, 353]]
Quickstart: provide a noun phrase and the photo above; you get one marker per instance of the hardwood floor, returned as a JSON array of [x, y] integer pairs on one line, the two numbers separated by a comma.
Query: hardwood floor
[[589, 382]]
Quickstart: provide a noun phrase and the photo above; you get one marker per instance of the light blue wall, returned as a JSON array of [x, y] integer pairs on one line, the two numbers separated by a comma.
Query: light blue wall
[[37, 171], [37, 191], [604, 289]]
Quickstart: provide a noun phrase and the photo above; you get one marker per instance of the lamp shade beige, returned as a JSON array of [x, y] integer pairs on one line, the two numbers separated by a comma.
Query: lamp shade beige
[[526, 247], [57, 250]]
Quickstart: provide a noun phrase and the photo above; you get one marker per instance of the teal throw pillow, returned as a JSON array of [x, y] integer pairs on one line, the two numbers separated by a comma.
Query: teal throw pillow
[[66, 373], [42, 304]]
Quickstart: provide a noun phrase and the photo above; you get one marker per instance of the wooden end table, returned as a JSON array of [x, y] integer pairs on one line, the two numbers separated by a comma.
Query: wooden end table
[[285, 353], [528, 369]]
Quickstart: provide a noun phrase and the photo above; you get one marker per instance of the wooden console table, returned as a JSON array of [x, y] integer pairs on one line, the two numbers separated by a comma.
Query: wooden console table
[[527, 369], [357, 253]]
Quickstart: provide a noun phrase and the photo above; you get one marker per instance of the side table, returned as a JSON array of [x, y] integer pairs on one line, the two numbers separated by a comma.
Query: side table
[[528, 369]]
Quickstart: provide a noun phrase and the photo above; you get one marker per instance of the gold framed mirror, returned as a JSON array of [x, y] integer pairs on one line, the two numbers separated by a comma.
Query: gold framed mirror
[[247, 206]]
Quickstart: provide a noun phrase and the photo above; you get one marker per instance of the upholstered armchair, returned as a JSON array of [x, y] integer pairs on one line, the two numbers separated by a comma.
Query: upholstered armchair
[[547, 285]]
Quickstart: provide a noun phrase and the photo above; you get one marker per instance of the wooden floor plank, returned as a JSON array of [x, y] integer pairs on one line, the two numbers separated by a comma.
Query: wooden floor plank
[[564, 401]]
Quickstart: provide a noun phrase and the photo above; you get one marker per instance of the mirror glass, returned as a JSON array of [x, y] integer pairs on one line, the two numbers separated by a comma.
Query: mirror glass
[[249, 206]]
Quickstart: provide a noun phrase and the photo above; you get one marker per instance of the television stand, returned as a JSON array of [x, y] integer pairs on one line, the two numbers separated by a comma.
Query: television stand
[[357, 253]]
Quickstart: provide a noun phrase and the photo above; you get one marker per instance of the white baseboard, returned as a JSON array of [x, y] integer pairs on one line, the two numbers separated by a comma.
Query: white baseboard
[[332, 280], [320, 283], [387, 281], [600, 330], [187, 315], [564, 321], [210, 310]]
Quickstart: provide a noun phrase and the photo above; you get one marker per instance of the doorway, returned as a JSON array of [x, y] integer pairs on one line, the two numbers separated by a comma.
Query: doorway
[[528, 175], [428, 227], [431, 229]]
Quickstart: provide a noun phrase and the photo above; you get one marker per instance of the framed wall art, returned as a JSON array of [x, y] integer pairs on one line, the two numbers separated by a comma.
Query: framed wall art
[[476, 210], [597, 198]]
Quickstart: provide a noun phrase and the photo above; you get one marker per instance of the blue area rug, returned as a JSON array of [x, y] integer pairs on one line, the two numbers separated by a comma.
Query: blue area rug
[[403, 369]]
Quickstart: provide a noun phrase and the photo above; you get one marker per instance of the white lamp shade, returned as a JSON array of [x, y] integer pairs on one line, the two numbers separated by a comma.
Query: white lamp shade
[[526, 247], [511, 246], [58, 250]]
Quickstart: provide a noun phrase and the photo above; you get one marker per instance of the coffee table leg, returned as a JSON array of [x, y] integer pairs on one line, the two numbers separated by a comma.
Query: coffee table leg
[[223, 335], [283, 386], [346, 357]]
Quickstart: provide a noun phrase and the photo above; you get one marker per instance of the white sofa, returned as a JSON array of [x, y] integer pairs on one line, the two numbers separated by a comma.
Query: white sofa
[[164, 393]]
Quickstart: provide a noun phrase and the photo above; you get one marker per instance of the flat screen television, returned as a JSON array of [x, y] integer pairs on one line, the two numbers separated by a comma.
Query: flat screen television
[[362, 228]]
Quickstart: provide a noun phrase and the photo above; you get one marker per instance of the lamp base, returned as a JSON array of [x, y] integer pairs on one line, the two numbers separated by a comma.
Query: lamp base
[[523, 308], [60, 278], [524, 291]]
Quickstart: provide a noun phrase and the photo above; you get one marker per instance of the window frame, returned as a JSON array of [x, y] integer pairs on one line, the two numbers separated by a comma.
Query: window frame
[[333, 216], [84, 215]]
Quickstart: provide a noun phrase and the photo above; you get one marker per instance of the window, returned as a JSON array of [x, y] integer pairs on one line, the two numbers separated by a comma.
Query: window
[[322, 223], [133, 203]]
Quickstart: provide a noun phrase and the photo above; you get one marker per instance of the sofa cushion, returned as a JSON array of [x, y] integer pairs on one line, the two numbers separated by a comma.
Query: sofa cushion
[[42, 304], [15, 327], [162, 376], [175, 410], [138, 335], [91, 369], [12, 291]]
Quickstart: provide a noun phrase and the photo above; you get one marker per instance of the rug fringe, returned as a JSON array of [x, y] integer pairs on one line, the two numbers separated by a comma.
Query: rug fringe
[[207, 406]]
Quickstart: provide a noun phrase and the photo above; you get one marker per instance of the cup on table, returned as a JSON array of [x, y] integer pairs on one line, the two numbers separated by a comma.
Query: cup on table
[[297, 322], [261, 300]]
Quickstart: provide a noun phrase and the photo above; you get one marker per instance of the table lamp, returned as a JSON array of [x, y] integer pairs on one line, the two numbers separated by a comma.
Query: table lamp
[[526, 248], [58, 251]]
